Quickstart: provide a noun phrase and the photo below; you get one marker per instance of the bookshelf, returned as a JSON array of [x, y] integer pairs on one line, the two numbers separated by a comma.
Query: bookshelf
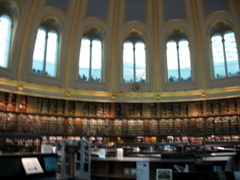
[[7, 121], [3, 101], [200, 125], [71, 108], [226, 125], [135, 127], [26, 123], [117, 110], [210, 125], [22, 113], [117, 127], [78, 108], [12, 101], [135, 110], [114, 169], [176, 109], [153, 127], [233, 105], [162, 110], [234, 124], [53, 106], [185, 125], [199, 108], [22, 103]]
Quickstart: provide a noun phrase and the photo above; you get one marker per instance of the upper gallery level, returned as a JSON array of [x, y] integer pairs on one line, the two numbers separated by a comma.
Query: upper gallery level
[[120, 51]]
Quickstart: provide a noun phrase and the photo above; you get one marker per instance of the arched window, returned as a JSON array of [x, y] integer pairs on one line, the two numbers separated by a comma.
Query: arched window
[[45, 56], [178, 58], [134, 59], [90, 59], [224, 53], [5, 39]]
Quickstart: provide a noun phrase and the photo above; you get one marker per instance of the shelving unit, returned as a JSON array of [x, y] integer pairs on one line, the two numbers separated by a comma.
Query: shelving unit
[[110, 170], [21, 113], [3, 101], [117, 127], [222, 145], [7, 121], [117, 110], [62, 125], [200, 125], [20, 142], [153, 110], [153, 127], [126, 168], [74, 159], [82, 160]]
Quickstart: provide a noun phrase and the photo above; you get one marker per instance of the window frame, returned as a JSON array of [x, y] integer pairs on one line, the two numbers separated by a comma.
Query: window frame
[[134, 40], [91, 37], [222, 31], [8, 50], [48, 28], [177, 38]]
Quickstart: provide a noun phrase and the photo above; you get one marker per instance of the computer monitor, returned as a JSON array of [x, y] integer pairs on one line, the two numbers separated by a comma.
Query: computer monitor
[[50, 163]]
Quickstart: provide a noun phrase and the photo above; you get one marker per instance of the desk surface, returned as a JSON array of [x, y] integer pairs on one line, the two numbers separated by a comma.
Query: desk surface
[[204, 175], [24, 154], [159, 159]]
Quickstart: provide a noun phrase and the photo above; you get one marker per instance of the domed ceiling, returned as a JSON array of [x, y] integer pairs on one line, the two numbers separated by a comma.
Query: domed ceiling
[[153, 20]]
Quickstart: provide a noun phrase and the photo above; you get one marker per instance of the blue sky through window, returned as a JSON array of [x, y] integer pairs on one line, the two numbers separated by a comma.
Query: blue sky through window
[[178, 61], [5, 39], [225, 55], [134, 57], [90, 60], [45, 53]]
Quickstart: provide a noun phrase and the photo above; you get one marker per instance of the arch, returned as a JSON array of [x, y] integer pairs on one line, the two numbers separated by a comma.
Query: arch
[[134, 57], [91, 55], [8, 22], [46, 50], [224, 52], [178, 56]]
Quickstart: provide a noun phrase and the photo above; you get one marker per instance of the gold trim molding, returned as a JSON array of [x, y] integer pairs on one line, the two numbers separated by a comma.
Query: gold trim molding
[[105, 96]]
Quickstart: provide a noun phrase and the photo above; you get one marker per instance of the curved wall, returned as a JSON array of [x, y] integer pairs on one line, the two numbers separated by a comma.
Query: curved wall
[[154, 18]]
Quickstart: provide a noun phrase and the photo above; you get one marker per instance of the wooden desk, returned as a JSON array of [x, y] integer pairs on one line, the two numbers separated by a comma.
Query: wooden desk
[[115, 168]]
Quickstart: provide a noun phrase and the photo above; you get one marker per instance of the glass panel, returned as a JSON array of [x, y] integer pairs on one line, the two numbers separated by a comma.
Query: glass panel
[[172, 61], [128, 62], [231, 54], [96, 60], [52, 54], [185, 63], [84, 60], [218, 57], [5, 40], [140, 60], [39, 51]]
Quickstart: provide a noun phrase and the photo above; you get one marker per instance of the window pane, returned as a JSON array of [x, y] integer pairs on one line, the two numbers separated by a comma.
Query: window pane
[[218, 57], [140, 60], [231, 54], [39, 50], [96, 60], [84, 60], [185, 63], [52, 54], [172, 61], [128, 62], [5, 39]]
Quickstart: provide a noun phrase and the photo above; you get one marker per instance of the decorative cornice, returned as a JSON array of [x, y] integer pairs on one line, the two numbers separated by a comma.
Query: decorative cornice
[[19, 87]]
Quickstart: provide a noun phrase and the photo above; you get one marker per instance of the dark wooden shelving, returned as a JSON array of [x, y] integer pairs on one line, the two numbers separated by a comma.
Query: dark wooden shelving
[[21, 113]]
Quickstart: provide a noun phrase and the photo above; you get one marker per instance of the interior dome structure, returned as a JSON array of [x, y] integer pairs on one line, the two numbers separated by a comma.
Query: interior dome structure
[[120, 51], [119, 89]]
